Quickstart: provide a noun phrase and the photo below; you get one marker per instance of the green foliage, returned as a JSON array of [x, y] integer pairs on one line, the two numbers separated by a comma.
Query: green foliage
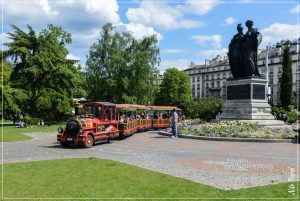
[[291, 113], [13, 98], [120, 68], [30, 120], [42, 70], [286, 86], [206, 108], [175, 89]]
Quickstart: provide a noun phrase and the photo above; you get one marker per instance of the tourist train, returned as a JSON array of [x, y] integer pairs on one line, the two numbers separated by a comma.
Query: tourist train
[[104, 122]]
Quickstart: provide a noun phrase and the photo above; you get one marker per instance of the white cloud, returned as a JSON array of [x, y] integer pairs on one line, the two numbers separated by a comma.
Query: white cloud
[[204, 39], [82, 18], [199, 7], [295, 10], [4, 38], [229, 20], [79, 15], [277, 32], [161, 15], [207, 54], [73, 57], [180, 64], [49, 11], [172, 51], [139, 31]]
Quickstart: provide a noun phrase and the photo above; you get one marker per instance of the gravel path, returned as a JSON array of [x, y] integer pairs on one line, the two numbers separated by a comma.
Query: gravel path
[[223, 165]]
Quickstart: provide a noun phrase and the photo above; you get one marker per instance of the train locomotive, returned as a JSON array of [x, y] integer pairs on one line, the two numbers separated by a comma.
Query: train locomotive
[[104, 122]]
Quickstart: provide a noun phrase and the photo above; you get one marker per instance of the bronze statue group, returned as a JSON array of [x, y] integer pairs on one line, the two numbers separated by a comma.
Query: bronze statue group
[[243, 52]]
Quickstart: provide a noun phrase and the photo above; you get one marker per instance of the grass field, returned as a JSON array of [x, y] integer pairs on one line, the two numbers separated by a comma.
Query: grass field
[[95, 178], [11, 133]]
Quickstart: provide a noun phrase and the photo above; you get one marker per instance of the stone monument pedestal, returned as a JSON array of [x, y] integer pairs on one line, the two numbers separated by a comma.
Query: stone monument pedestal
[[246, 100]]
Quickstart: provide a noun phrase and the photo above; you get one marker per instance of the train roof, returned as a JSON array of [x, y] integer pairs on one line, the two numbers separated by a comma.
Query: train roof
[[100, 103], [132, 107], [164, 107]]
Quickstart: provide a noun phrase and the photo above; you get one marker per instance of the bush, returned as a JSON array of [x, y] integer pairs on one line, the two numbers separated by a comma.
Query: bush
[[291, 114], [207, 108], [30, 120]]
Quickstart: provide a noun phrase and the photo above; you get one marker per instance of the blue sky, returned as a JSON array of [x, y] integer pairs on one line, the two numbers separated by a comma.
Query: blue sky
[[188, 30]]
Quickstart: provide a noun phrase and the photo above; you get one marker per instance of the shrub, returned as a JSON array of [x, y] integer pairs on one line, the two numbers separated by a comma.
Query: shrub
[[207, 108], [30, 120], [291, 114]]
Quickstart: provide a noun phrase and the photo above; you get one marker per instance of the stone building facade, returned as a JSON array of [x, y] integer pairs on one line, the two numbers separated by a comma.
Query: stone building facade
[[209, 79]]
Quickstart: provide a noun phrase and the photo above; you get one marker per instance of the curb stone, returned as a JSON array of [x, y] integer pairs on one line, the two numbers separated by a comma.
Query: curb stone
[[230, 139]]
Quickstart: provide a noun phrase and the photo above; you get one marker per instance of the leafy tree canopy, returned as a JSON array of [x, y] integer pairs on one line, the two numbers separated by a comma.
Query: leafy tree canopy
[[13, 98], [120, 68], [175, 89], [41, 68]]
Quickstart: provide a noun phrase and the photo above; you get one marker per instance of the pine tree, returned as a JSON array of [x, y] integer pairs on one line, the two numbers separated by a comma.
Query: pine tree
[[40, 67], [286, 86]]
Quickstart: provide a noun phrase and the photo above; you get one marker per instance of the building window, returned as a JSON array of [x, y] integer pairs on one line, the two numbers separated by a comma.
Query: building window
[[198, 79], [207, 85], [224, 75], [193, 79], [198, 94], [212, 76], [198, 86], [218, 76], [212, 85], [218, 83], [206, 77], [193, 87], [271, 81]]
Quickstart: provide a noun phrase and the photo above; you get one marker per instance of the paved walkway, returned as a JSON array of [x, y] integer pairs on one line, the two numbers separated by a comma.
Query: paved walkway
[[223, 165]]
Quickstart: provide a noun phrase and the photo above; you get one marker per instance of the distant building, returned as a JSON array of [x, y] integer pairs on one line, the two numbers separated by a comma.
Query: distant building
[[158, 77], [209, 79]]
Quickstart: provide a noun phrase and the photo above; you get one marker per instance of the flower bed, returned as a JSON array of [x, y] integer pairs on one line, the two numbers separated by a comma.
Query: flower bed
[[234, 129]]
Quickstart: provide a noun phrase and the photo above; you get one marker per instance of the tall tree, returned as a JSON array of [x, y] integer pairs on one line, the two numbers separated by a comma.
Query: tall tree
[[41, 68], [175, 89], [120, 68], [286, 86], [14, 99]]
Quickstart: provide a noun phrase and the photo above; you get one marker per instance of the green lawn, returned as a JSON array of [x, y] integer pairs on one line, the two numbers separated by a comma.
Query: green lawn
[[95, 178], [11, 133]]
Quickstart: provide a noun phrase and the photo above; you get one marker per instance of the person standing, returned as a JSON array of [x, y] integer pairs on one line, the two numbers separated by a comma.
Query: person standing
[[174, 124]]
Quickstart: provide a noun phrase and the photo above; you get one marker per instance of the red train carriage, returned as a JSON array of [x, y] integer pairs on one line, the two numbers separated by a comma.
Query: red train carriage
[[126, 115], [161, 116], [98, 125], [143, 114], [133, 118]]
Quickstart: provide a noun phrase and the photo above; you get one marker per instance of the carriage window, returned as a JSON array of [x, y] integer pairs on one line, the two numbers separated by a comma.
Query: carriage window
[[94, 110], [108, 113]]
